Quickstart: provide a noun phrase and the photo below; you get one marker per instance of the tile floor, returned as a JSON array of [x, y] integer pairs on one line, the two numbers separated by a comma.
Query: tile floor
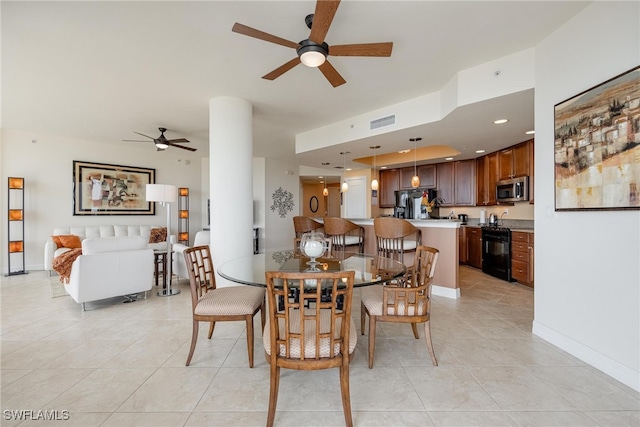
[[123, 365]]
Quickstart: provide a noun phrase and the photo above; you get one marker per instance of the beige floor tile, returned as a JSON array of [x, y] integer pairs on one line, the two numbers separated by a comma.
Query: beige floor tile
[[403, 418], [8, 376], [237, 390], [383, 389], [239, 355], [143, 354], [89, 354], [532, 351], [450, 388], [208, 353], [225, 419], [616, 418], [309, 419], [76, 419], [554, 419], [585, 389], [8, 347], [170, 390], [478, 352], [139, 419], [469, 419], [103, 390], [515, 388], [38, 354]]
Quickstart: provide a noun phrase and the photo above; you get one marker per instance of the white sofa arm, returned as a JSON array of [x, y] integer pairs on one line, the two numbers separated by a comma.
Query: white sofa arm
[[49, 250]]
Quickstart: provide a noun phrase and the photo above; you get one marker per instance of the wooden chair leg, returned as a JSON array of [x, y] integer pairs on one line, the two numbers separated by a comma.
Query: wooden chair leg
[[263, 314], [414, 327], [273, 394], [194, 339], [372, 338], [250, 338], [211, 326], [344, 390], [427, 337], [363, 316]]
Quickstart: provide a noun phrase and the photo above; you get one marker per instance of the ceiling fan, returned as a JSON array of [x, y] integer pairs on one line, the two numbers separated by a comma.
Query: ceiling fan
[[162, 143], [313, 51]]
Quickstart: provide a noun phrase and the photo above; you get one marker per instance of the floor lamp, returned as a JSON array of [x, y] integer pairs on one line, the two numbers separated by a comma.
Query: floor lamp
[[165, 194]]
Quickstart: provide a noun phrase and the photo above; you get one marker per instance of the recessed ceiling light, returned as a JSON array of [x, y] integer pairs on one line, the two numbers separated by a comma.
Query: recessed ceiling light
[[403, 151], [448, 158], [383, 167], [348, 169], [500, 121], [530, 132], [479, 151], [321, 177]]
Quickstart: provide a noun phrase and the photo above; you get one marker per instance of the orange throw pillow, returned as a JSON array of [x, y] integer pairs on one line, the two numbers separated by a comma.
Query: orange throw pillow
[[158, 235], [67, 241]]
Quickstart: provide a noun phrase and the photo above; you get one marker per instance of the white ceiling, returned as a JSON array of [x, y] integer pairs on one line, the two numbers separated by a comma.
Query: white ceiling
[[101, 70]]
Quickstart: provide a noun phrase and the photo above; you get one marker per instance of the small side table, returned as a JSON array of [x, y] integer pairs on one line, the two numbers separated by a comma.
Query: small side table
[[160, 262]]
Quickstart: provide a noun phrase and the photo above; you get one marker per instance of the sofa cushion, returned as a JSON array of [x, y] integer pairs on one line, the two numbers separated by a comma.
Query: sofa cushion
[[158, 235], [67, 241], [113, 244]]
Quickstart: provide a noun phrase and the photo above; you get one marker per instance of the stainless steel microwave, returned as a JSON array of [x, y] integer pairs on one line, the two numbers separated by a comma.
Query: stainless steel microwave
[[513, 190]]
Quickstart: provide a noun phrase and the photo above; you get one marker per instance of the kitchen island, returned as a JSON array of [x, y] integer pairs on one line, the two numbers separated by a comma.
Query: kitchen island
[[438, 233]]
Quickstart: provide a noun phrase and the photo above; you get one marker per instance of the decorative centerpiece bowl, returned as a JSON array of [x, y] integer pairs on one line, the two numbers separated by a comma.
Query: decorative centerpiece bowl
[[313, 245]]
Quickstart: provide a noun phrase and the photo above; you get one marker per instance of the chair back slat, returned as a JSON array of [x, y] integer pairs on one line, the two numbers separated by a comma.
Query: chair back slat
[[338, 229], [202, 276], [391, 234]]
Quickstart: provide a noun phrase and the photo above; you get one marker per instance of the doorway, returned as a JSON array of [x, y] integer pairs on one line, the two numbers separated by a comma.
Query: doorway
[[355, 200]]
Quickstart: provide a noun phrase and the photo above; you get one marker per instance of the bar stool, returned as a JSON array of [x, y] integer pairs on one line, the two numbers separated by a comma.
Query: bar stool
[[344, 233], [304, 224], [392, 237]]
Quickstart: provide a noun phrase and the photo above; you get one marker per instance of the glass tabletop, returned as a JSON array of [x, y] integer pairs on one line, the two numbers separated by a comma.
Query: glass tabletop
[[370, 269]]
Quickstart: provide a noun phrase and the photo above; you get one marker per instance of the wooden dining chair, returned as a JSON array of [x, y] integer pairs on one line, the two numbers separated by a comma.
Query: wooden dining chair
[[405, 301], [395, 236], [304, 224], [320, 337], [344, 234], [212, 304]]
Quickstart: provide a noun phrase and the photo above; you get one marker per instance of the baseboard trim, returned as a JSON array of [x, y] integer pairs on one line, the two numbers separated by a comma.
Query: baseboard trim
[[442, 291], [603, 363]]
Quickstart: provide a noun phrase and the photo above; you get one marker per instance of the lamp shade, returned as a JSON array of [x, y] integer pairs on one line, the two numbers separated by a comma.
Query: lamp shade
[[161, 193]]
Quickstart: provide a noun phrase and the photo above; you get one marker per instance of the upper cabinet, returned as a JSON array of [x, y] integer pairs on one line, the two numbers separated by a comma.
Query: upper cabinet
[[514, 161], [456, 183], [486, 178], [389, 183], [426, 173]]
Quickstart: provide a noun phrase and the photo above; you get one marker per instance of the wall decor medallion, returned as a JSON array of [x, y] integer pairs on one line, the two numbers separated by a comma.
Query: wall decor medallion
[[103, 189], [597, 146], [282, 202], [313, 204]]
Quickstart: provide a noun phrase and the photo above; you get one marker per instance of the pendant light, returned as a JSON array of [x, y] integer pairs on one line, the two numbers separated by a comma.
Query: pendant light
[[325, 191], [415, 179], [374, 181], [345, 186]]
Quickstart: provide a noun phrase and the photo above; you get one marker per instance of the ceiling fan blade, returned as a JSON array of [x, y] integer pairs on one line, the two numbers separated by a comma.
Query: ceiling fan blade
[[177, 140], [363, 49], [282, 69], [322, 17], [252, 32], [332, 74], [182, 146], [144, 135], [134, 140]]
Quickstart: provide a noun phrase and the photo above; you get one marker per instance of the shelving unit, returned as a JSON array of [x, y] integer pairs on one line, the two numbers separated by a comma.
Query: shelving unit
[[183, 215], [15, 231]]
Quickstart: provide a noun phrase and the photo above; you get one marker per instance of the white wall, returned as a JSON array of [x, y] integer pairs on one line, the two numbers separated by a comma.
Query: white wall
[[587, 295], [259, 199], [47, 167], [279, 232]]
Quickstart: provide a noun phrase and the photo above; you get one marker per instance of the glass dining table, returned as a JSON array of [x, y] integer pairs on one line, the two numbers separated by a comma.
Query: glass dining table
[[369, 269]]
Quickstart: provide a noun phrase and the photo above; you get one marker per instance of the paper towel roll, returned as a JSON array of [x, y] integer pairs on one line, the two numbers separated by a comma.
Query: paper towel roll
[[482, 216]]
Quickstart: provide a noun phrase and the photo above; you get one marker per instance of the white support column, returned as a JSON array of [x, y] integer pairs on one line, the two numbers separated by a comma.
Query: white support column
[[230, 179]]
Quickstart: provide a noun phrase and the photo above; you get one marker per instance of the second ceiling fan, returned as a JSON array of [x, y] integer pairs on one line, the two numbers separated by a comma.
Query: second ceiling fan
[[313, 51]]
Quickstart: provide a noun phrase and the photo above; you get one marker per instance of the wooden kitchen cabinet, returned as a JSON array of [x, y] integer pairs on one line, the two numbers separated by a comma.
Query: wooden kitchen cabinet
[[464, 183], [486, 178], [444, 176], [514, 161], [522, 257], [427, 174], [405, 178], [474, 246], [389, 183], [462, 245]]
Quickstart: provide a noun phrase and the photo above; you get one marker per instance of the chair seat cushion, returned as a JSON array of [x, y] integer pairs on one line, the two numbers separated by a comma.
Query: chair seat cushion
[[371, 297], [407, 245], [233, 300], [310, 333], [352, 240]]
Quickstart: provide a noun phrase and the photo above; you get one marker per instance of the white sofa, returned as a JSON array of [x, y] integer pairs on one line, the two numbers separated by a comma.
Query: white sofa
[[89, 232], [111, 267], [178, 267]]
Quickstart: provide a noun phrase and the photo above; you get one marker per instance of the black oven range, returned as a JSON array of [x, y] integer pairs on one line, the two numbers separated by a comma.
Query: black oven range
[[496, 252]]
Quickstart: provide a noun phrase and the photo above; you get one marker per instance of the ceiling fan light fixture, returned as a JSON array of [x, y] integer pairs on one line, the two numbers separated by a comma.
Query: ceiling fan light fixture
[[312, 54], [162, 146]]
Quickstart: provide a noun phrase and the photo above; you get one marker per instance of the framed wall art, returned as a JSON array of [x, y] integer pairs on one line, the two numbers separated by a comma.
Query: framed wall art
[[103, 189], [597, 146]]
